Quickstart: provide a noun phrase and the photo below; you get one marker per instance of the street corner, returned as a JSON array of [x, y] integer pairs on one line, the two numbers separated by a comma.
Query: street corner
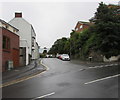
[[27, 76]]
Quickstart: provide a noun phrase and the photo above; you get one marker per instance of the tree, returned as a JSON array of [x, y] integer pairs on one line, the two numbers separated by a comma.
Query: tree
[[60, 46], [74, 43], [78, 41], [67, 47], [102, 37], [108, 30]]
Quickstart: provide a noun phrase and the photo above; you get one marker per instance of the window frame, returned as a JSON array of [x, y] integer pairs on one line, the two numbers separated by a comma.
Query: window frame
[[6, 43]]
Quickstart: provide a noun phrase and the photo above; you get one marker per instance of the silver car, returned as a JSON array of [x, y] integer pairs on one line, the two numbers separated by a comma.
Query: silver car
[[65, 57]]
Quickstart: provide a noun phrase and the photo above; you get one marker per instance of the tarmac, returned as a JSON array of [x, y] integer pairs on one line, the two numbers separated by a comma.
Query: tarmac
[[34, 68]]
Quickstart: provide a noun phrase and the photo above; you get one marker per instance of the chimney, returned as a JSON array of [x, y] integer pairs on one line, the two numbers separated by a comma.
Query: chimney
[[19, 15]]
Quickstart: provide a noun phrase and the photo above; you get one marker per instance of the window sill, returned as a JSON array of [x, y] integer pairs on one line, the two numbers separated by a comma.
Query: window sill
[[6, 50]]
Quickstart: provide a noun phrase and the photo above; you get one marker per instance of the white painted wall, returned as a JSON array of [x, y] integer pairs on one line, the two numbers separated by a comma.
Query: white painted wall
[[24, 31], [37, 55], [33, 42], [36, 51], [24, 43]]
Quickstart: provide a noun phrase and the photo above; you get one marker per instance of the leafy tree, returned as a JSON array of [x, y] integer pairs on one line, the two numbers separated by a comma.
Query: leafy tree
[[67, 47], [103, 36], [60, 46], [108, 30], [74, 42]]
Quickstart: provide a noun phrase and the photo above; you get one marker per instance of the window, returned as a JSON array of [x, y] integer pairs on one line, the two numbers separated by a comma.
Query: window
[[33, 41], [6, 43], [76, 29], [81, 26], [14, 31], [6, 26]]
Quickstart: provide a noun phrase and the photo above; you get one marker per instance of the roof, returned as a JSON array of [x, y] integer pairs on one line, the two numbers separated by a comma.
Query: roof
[[83, 22], [8, 24], [24, 21]]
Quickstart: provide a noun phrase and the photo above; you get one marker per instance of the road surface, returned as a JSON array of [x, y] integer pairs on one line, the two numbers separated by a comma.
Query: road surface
[[66, 79]]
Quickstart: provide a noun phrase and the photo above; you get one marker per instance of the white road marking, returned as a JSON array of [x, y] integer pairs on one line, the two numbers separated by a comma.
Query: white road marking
[[106, 65], [102, 79], [81, 69], [103, 66], [44, 96], [111, 64], [16, 70], [115, 64], [97, 66]]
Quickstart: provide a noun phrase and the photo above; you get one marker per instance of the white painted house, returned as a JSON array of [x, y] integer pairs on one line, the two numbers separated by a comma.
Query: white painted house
[[27, 38]]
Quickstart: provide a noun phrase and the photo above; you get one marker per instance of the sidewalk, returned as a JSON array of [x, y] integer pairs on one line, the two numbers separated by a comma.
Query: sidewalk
[[92, 64], [32, 68]]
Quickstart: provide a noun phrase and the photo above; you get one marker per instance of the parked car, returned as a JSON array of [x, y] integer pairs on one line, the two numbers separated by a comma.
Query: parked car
[[65, 57], [58, 56], [49, 56]]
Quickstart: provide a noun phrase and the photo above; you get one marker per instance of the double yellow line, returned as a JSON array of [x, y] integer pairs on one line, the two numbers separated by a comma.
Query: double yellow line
[[26, 77]]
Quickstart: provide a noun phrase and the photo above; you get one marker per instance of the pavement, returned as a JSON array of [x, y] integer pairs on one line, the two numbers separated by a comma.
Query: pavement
[[33, 68]]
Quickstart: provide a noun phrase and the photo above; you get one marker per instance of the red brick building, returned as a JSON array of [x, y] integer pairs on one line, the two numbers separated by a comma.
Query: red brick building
[[9, 45], [81, 26]]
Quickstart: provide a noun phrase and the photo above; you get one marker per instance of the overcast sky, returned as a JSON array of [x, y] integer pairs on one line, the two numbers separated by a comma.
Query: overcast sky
[[51, 20]]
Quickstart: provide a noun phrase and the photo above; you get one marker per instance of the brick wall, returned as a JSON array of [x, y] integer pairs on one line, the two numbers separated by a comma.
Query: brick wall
[[13, 53], [83, 26], [0, 50]]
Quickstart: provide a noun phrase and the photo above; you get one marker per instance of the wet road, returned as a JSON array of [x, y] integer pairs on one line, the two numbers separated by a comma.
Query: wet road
[[66, 79]]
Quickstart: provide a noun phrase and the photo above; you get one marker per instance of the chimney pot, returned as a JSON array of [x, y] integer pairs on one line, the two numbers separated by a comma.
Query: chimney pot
[[18, 14]]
